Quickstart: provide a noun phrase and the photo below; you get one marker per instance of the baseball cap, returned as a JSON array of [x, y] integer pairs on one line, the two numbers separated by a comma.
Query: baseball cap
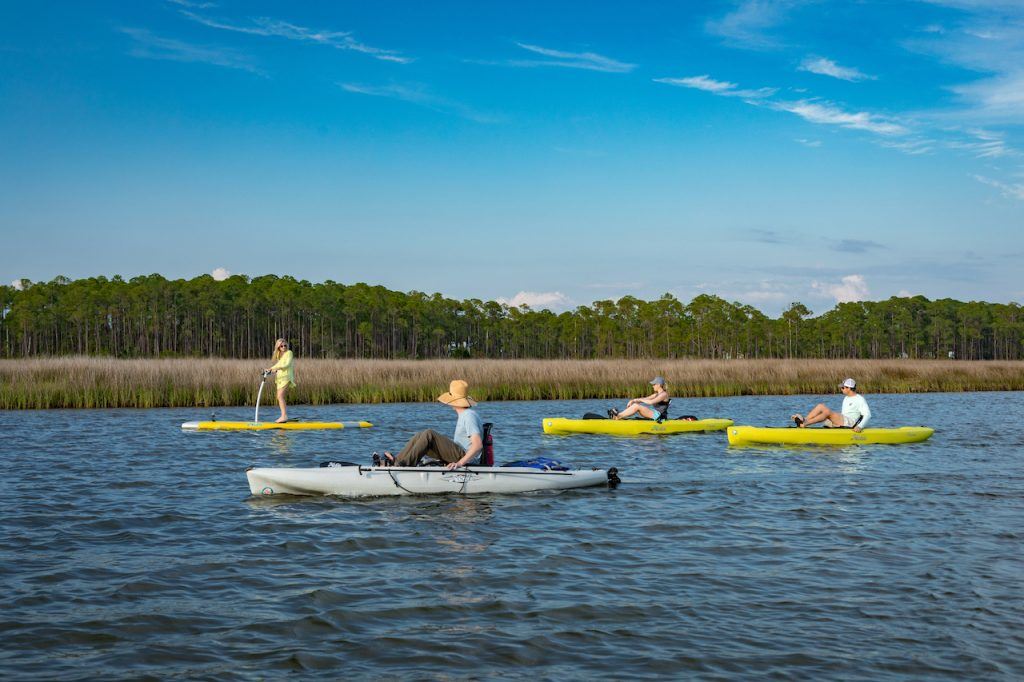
[[848, 383]]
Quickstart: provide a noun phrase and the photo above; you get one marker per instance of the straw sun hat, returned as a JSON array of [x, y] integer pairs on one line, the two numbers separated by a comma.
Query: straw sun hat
[[456, 395]]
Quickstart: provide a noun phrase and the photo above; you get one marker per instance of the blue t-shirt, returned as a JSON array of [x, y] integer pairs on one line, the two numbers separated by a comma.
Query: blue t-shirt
[[469, 424]]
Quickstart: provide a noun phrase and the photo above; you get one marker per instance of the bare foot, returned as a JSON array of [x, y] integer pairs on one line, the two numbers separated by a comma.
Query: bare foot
[[388, 459], [281, 420]]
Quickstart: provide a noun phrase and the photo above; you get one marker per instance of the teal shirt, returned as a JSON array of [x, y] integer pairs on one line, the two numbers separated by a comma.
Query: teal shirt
[[468, 425]]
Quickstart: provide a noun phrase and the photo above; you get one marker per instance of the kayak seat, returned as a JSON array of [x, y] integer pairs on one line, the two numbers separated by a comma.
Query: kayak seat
[[663, 414]]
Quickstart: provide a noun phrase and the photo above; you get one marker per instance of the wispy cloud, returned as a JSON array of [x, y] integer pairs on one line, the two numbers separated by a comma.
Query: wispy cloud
[[265, 26], [716, 87], [912, 146], [985, 144], [149, 46], [1014, 191], [827, 67], [809, 143], [192, 5], [988, 38], [856, 246], [590, 61], [750, 24], [768, 236], [830, 114], [419, 95], [815, 111]]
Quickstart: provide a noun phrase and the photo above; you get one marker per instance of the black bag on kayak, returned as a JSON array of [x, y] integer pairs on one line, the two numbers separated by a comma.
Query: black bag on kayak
[[487, 455], [591, 415]]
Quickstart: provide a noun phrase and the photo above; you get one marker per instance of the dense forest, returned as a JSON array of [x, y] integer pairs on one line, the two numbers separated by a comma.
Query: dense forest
[[240, 317]]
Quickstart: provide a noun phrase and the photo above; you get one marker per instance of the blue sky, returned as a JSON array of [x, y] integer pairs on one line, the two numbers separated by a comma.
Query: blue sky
[[767, 151]]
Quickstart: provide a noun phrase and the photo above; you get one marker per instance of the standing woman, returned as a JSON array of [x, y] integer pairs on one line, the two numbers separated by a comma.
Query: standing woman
[[284, 367]]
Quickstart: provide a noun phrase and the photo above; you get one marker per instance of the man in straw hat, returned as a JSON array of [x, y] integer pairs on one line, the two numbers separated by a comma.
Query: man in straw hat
[[456, 452]]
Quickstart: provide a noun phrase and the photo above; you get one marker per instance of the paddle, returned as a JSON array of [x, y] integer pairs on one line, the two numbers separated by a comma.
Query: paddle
[[259, 394]]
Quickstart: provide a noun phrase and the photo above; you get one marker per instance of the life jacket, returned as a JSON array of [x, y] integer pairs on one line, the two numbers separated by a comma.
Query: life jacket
[[662, 409]]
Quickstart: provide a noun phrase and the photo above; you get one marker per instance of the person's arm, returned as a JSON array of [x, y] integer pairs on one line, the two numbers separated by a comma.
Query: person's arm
[[476, 444], [865, 415], [654, 398], [284, 362]]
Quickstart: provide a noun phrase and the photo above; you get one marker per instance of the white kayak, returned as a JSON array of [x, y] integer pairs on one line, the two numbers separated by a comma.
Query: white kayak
[[352, 480]]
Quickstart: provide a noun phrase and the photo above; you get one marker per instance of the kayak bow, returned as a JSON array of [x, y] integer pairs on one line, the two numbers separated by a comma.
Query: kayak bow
[[767, 435], [352, 480], [631, 427], [268, 426]]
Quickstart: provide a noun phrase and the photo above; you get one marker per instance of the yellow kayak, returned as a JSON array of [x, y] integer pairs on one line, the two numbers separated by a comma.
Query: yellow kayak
[[631, 427], [767, 435], [267, 426]]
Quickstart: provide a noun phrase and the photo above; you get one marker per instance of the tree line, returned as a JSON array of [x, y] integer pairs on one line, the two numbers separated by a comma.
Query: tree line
[[239, 317]]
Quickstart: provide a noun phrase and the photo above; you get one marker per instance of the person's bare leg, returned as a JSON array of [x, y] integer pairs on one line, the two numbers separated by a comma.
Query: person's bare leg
[[633, 409], [820, 413], [282, 405]]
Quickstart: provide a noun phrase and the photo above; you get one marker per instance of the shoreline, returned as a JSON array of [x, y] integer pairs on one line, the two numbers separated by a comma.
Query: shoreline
[[88, 382]]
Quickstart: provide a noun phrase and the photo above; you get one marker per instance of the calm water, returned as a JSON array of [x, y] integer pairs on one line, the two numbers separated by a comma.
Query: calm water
[[131, 549]]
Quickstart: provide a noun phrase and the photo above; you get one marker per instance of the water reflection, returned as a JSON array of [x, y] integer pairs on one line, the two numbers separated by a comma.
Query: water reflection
[[281, 442]]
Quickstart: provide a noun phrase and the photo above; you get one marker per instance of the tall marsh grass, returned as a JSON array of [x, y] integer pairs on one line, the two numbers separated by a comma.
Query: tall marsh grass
[[85, 382]]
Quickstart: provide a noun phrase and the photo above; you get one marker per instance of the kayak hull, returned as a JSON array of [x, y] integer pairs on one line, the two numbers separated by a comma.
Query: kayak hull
[[766, 435], [631, 427], [358, 481], [271, 426]]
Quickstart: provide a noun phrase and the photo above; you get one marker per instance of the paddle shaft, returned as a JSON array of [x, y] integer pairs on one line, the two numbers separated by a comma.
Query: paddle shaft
[[259, 394]]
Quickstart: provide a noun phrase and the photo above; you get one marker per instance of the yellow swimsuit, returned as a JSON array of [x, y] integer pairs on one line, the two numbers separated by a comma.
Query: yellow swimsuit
[[285, 370]]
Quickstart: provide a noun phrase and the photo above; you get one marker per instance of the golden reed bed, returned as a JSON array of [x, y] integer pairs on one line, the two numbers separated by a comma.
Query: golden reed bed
[[77, 382]]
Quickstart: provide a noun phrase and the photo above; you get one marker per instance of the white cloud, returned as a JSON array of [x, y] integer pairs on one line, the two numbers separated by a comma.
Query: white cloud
[[914, 147], [1014, 191], [984, 144], [149, 46], [809, 143], [418, 94], [18, 284], [723, 88], [827, 67], [1000, 97], [829, 114], [749, 24], [193, 5], [903, 293], [554, 300], [590, 61], [220, 274], [851, 288], [265, 26]]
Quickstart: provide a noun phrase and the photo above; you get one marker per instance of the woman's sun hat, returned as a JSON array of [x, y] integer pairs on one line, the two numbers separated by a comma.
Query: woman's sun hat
[[456, 395]]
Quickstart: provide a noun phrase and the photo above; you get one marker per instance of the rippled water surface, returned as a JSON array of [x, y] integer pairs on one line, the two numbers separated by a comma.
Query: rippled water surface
[[130, 549]]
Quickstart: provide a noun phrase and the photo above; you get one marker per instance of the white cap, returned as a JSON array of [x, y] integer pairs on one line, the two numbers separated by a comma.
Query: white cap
[[848, 383]]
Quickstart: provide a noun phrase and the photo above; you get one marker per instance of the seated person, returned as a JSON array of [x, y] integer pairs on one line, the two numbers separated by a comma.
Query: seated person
[[459, 451], [855, 413], [654, 406]]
